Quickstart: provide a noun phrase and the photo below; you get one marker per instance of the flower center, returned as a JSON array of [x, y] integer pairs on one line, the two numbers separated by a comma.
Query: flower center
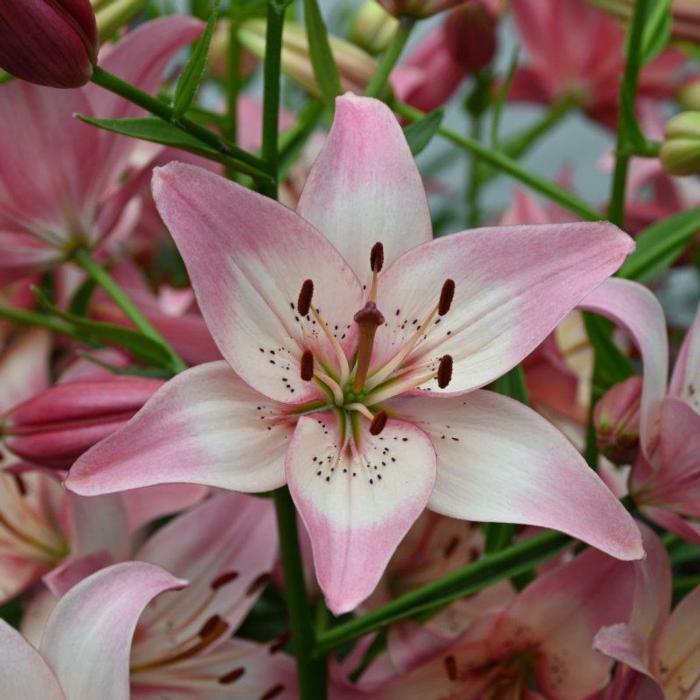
[[354, 387]]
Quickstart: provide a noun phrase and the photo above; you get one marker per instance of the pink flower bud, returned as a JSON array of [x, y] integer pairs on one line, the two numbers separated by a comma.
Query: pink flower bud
[[417, 8], [56, 426], [470, 36], [616, 421], [48, 42]]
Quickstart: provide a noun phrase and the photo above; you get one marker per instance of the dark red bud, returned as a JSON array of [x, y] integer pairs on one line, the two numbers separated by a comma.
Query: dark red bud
[[48, 42], [470, 36]]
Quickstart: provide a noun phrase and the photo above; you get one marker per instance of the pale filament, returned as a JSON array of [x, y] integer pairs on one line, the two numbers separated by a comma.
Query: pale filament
[[343, 365]]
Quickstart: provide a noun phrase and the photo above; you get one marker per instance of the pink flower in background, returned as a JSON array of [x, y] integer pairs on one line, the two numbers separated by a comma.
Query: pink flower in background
[[77, 198], [182, 645], [576, 51], [538, 645], [658, 651], [336, 344]]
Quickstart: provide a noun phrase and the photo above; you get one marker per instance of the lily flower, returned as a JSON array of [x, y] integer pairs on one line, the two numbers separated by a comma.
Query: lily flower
[[538, 646], [91, 646], [658, 651], [225, 548], [354, 350], [576, 52], [46, 213]]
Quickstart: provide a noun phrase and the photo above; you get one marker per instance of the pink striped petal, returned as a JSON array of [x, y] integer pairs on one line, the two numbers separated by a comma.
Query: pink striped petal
[[24, 367], [98, 524], [24, 255], [148, 504], [357, 508], [512, 287], [24, 675], [499, 461], [205, 426], [685, 381], [365, 186], [87, 640], [248, 257], [231, 534], [638, 311]]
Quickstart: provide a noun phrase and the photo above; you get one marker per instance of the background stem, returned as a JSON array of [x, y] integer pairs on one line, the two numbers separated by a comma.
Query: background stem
[[390, 57]]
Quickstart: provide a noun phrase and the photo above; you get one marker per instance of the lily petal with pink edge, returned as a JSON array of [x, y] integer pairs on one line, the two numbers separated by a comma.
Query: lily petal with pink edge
[[322, 348]]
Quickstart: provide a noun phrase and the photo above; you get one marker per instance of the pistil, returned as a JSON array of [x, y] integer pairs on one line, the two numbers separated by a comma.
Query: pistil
[[369, 318]]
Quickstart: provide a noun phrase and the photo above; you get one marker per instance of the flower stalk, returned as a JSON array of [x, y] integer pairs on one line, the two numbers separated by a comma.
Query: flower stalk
[[391, 56]]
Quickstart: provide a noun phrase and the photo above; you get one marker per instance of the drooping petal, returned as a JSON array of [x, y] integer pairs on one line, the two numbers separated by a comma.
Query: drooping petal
[[512, 286], [638, 311], [98, 524], [357, 507], [248, 257], [230, 535], [365, 186], [499, 461], [87, 640], [24, 675], [205, 426]]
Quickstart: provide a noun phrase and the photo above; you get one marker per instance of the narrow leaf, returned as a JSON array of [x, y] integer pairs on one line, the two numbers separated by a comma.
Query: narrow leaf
[[611, 365], [155, 130], [188, 83], [660, 244], [322, 59], [420, 132], [657, 30]]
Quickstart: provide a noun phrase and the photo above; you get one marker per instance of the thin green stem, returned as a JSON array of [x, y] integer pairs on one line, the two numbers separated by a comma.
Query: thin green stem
[[30, 318], [312, 672], [491, 568], [545, 187], [233, 72], [244, 161], [474, 181], [118, 295], [390, 57], [628, 91]]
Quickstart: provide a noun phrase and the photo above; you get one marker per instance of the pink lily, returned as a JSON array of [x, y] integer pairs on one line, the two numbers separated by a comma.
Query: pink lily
[[536, 647], [46, 213], [225, 548], [346, 418], [576, 53], [658, 650]]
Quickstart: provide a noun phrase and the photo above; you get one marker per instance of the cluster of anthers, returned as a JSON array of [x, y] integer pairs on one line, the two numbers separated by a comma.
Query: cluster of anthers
[[354, 390]]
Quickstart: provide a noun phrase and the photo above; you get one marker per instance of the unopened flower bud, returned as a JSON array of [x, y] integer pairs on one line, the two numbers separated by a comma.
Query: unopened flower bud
[[50, 43], [470, 35], [420, 9], [616, 421], [373, 27], [55, 427], [680, 152], [355, 67], [112, 15]]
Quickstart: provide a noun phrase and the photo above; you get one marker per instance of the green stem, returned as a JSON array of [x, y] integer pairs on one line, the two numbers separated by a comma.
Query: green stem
[[390, 57], [244, 161], [548, 189], [491, 568], [233, 72], [628, 91], [474, 181], [312, 672], [104, 279], [311, 669]]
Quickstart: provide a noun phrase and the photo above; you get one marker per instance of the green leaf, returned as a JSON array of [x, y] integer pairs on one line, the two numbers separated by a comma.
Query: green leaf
[[660, 244], [420, 132], [322, 59], [80, 302], [611, 365], [155, 130], [657, 30], [187, 85], [513, 384], [501, 97]]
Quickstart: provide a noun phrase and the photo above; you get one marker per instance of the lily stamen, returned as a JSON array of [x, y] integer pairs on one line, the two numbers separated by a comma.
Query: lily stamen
[[376, 262]]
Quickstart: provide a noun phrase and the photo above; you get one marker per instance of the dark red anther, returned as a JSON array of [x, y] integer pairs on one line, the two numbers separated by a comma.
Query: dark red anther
[[451, 667], [376, 257], [306, 293], [378, 423], [257, 584], [215, 626], [223, 579], [231, 676], [273, 692], [444, 373], [307, 366], [447, 294]]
